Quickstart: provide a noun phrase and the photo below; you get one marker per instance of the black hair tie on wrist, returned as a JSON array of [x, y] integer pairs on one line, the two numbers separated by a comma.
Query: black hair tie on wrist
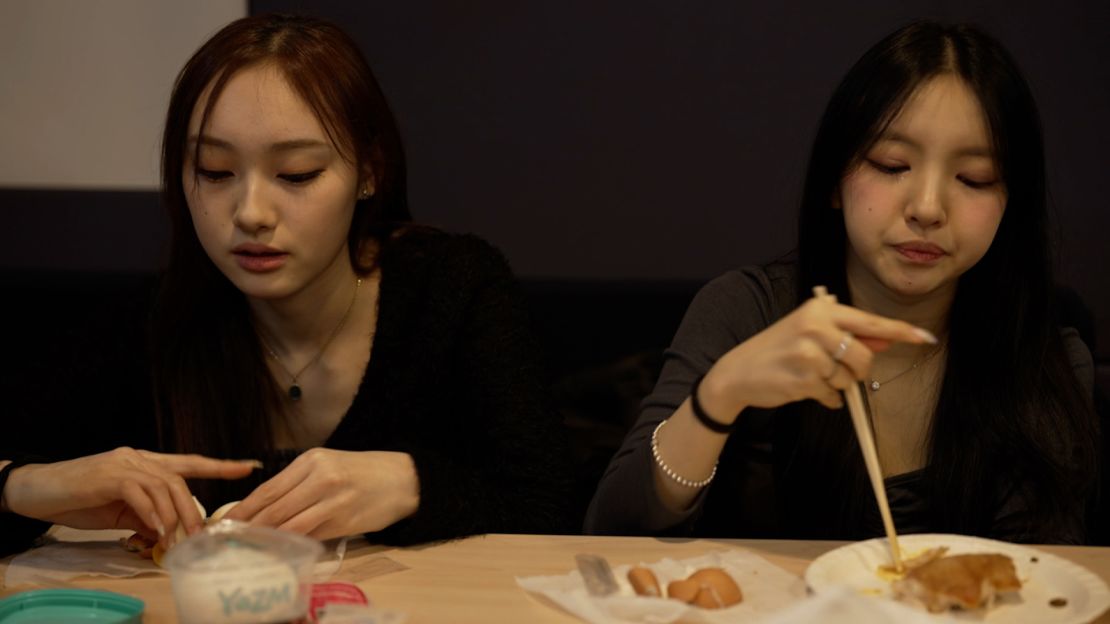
[[5, 472], [703, 418]]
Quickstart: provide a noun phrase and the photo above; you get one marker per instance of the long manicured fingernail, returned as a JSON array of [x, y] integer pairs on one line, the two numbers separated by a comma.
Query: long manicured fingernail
[[253, 463], [926, 335], [156, 522]]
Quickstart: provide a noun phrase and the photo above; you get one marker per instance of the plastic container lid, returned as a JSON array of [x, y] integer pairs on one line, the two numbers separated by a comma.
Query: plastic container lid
[[69, 606]]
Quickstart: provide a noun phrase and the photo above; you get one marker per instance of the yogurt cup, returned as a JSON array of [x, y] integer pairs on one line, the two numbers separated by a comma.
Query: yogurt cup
[[233, 572]]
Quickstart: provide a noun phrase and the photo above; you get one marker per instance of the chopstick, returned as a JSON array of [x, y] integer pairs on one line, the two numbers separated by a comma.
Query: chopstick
[[870, 455]]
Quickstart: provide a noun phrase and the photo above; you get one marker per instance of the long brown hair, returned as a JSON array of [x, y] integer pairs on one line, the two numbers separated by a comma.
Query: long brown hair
[[214, 392]]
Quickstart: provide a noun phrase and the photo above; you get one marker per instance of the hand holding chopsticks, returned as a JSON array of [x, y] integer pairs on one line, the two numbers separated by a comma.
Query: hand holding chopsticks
[[814, 352], [862, 425]]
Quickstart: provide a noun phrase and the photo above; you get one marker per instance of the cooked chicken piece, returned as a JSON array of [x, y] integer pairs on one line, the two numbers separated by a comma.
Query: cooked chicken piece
[[889, 572], [965, 581]]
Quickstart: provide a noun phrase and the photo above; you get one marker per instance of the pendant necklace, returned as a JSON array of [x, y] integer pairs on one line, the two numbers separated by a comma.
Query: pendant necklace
[[294, 391], [875, 384]]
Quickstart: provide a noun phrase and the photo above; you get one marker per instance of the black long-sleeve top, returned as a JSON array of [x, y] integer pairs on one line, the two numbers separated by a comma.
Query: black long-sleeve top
[[455, 381]]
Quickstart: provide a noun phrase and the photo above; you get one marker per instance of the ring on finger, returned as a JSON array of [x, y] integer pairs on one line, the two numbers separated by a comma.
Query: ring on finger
[[842, 348]]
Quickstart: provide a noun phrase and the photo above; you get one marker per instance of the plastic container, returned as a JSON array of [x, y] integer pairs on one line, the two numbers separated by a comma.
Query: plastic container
[[233, 572], [66, 606]]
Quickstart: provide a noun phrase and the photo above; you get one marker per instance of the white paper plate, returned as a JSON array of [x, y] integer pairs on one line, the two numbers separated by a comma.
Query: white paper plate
[[1044, 576]]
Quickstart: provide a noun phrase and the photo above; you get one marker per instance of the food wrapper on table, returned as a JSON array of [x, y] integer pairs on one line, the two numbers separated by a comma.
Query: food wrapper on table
[[767, 589], [72, 553]]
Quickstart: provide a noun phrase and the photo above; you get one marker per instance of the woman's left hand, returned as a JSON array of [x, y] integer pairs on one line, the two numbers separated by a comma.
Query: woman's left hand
[[326, 493]]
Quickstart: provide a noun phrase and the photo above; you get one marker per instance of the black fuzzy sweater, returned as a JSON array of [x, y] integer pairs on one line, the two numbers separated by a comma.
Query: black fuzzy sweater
[[455, 381]]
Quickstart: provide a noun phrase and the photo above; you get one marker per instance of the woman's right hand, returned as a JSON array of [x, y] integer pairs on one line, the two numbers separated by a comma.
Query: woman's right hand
[[801, 357], [120, 489]]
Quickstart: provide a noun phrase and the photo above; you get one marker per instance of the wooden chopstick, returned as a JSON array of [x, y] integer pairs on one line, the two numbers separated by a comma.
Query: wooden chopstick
[[870, 455]]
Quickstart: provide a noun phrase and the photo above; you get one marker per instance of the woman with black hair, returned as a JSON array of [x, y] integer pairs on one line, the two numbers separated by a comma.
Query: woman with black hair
[[381, 372], [924, 211]]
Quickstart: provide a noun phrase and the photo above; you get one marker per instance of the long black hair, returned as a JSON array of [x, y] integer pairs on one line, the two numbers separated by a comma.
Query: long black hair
[[1012, 422], [214, 392]]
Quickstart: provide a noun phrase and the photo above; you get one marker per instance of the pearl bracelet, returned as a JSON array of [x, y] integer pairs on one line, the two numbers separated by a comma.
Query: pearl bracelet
[[683, 481]]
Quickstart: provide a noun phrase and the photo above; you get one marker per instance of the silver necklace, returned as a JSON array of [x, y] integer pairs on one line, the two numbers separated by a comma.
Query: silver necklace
[[295, 392], [876, 384]]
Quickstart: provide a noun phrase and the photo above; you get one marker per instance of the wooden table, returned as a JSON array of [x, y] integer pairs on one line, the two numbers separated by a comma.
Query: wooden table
[[473, 580]]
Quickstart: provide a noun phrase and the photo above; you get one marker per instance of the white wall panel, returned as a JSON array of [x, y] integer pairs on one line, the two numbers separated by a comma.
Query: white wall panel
[[84, 86]]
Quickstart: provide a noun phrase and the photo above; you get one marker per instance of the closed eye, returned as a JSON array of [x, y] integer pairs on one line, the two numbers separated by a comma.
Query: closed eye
[[888, 169], [976, 184], [213, 176], [300, 178]]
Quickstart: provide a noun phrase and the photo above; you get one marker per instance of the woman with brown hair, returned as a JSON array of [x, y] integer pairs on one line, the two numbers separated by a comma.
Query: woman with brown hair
[[382, 371]]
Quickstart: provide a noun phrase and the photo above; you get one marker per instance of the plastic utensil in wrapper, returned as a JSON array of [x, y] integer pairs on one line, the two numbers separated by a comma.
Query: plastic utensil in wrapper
[[234, 572]]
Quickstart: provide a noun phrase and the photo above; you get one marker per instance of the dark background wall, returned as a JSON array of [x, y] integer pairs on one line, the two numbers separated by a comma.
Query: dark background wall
[[648, 140]]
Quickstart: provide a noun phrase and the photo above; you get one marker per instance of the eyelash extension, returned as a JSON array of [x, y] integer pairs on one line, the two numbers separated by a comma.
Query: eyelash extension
[[301, 178]]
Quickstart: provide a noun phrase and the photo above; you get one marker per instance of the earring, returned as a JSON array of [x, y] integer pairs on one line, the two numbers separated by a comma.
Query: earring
[[364, 194]]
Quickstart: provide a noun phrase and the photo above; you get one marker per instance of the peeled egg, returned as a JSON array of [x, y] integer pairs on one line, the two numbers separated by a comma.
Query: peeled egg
[[644, 582], [222, 511]]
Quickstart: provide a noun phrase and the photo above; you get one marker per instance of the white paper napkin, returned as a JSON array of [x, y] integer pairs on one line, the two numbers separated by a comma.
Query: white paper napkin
[[767, 588]]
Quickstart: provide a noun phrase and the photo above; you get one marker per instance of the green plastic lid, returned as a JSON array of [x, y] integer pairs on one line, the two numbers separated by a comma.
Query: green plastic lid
[[69, 606]]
